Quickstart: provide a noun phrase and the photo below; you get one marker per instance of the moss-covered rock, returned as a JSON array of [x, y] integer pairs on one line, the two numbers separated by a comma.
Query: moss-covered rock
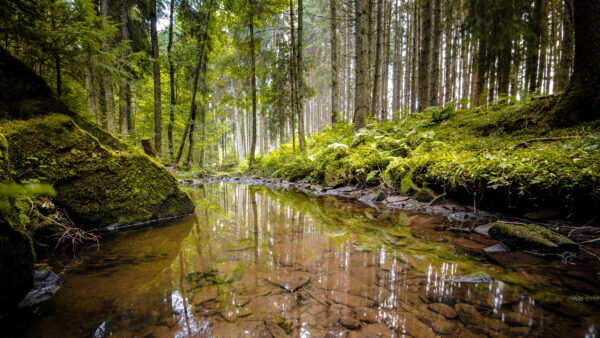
[[531, 237], [16, 252], [96, 184]]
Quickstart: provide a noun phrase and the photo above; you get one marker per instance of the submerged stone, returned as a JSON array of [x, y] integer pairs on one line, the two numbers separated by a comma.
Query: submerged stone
[[45, 285], [531, 237], [498, 248], [479, 277], [373, 197]]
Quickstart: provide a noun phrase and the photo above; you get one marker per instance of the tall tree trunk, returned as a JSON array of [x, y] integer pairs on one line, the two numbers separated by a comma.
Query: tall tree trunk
[[300, 78], [397, 65], [425, 58], [567, 47], [416, 34], [335, 108], [171, 80], [124, 104], [377, 63], [437, 34], [293, 77], [581, 100], [156, 72], [253, 83], [533, 46], [361, 63], [543, 37]]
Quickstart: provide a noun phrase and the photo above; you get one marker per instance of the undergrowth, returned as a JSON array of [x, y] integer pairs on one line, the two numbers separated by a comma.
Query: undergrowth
[[501, 152]]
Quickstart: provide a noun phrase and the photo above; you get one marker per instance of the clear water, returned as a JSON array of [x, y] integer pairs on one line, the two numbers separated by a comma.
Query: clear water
[[258, 262]]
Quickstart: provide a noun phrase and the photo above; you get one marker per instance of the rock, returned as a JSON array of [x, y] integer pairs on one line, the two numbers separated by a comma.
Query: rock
[[443, 327], [396, 199], [468, 314], [97, 184], [347, 299], [443, 309], [16, 251], [497, 248], [99, 179], [531, 237], [415, 327], [478, 277], [373, 197], [518, 319], [350, 322], [45, 285], [519, 331], [483, 229]]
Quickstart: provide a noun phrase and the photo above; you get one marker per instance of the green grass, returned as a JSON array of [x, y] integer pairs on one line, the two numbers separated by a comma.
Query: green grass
[[505, 152]]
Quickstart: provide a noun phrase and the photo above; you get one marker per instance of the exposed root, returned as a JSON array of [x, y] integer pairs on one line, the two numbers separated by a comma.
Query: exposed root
[[65, 232]]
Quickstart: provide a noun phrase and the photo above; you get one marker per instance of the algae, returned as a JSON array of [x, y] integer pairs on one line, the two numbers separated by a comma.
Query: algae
[[531, 237]]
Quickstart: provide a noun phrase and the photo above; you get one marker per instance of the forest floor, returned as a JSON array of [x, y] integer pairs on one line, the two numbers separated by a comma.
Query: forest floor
[[504, 156]]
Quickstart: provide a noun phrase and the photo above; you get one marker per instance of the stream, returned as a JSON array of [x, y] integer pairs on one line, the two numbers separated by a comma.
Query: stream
[[256, 261]]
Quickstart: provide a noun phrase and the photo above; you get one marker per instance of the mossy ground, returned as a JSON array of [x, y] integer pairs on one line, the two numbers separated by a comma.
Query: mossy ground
[[504, 155]]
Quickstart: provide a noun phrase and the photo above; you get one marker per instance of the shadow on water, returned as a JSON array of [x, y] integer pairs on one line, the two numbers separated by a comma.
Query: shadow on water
[[255, 261]]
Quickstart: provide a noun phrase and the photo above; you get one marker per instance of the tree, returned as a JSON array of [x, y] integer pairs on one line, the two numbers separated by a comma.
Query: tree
[[334, 63], [252, 81], [171, 80], [425, 58], [581, 99], [361, 91], [156, 72]]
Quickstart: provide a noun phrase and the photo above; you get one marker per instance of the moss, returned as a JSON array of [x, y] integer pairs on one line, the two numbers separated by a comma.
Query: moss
[[531, 237], [97, 184], [16, 251], [503, 156]]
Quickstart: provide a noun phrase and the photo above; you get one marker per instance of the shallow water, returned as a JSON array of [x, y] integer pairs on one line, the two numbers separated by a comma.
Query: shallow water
[[259, 262]]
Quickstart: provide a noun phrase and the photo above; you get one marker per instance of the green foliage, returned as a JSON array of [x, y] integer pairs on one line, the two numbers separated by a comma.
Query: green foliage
[[504, 148]]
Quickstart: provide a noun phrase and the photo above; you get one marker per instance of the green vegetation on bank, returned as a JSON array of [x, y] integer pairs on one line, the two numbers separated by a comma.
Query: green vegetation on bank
[[505, 153]]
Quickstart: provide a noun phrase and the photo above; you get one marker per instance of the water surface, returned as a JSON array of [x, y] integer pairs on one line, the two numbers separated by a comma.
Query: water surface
[[259, 262]]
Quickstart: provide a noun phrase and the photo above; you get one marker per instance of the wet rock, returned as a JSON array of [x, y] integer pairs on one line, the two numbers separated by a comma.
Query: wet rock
[[531, 237], [479, 277], [443, 309], [350, 300], [519, 331], [45, 285], [372, 331], [443, 327], [415, 327], [468, 314], [483, 229], [350, 321], [498, 248], [396, 199], [518, 319], [373, 197]]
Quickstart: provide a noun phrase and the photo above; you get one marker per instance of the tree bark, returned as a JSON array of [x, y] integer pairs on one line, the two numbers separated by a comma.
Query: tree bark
[[567, 47], [124, 87], [377, 63], [300, 78], [334, 63], [156, 73], [437, 34], [425, 58], [171, 81], [361, 64], [581, 99]]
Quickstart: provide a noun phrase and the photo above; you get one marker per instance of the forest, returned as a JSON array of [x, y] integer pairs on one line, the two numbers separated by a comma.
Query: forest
[[460, 137]]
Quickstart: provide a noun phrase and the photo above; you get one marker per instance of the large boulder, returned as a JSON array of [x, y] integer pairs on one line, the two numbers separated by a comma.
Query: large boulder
[[531, 237], [97, 184], [16, 252]]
